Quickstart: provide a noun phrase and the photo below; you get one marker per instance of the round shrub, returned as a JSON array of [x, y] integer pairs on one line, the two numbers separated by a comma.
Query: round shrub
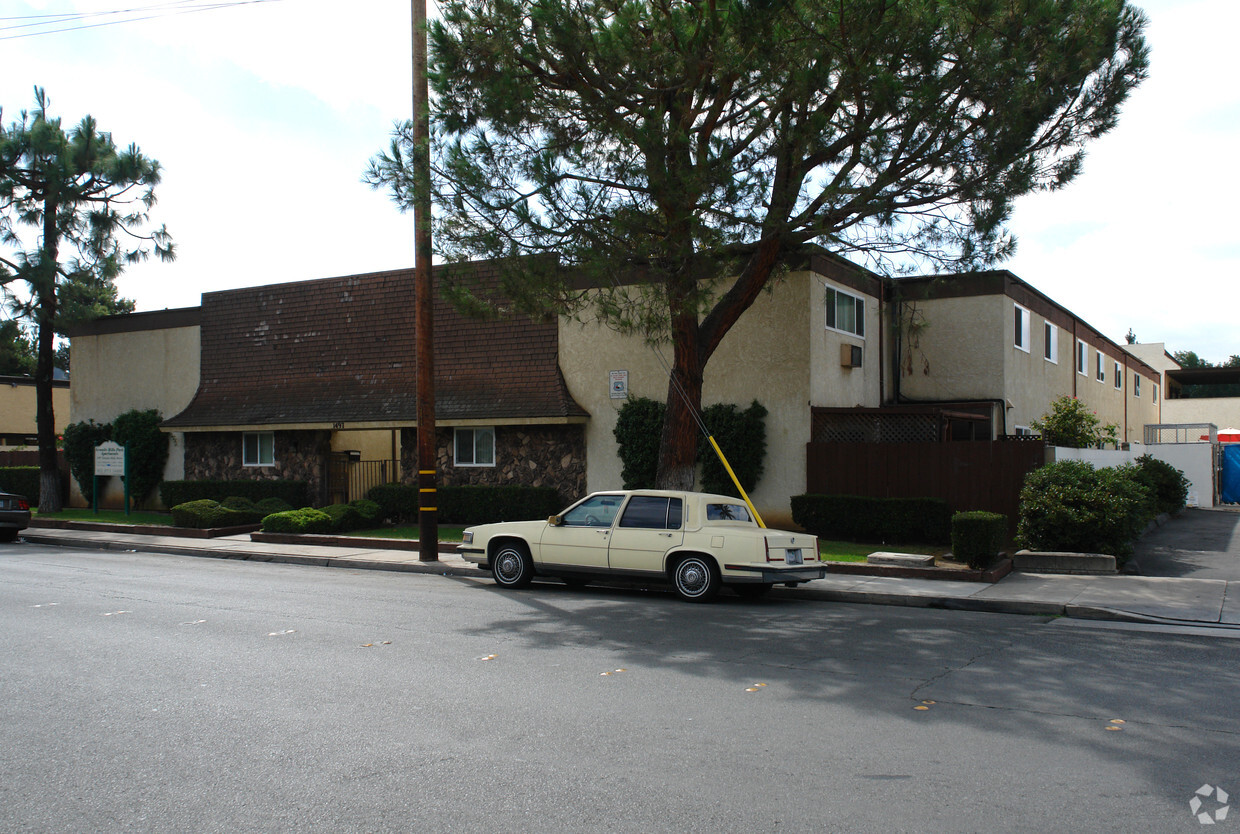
[[204, 514], [1167, 485], [1071, 506], [370, 511], [344, 517], [270, 505], [305, 520]]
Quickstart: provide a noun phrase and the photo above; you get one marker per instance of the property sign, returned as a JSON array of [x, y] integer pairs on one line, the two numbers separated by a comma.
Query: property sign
[[619, 384], [109, 459]]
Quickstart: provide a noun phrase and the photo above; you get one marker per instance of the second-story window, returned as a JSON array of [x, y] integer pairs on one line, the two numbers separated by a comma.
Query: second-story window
[[1021, 335], [845, 312]]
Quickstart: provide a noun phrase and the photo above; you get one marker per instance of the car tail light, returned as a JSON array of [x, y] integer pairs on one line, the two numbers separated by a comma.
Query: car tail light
[[769, 557], [23, 504]]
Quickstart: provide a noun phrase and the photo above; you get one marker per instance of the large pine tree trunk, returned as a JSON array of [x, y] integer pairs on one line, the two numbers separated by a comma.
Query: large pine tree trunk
[[45, 315], [45, 415], [678, 445]]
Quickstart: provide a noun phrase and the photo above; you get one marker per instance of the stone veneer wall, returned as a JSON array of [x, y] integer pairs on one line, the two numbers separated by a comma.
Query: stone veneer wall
[[299, 456], [552, 456]]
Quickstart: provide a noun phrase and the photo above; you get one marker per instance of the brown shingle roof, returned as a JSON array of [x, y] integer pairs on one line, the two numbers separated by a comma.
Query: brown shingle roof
[[342, 350]]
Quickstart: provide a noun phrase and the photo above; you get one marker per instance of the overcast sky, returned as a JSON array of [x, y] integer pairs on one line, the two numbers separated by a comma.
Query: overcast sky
[[263, 116]]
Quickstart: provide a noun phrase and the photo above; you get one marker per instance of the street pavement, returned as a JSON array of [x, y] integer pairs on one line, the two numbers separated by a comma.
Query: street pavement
[[1189, 573]]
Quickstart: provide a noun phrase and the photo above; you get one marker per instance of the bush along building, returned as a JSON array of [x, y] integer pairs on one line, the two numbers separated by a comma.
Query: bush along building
[[315, 380]]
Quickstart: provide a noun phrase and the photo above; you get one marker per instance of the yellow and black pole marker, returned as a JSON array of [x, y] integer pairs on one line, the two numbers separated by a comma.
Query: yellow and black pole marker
[[735, 480]]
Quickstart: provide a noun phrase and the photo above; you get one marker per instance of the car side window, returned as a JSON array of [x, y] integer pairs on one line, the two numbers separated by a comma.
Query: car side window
[[652, 513], [599, 511]]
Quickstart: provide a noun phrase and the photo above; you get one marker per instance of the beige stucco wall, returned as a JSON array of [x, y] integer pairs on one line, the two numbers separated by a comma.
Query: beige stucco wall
[[779, 353], [966, 350], [17, 410], [1223, 412], [116, 372]]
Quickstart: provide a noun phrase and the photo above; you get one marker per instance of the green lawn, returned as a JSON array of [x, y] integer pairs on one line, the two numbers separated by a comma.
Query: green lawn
[[109, 516]]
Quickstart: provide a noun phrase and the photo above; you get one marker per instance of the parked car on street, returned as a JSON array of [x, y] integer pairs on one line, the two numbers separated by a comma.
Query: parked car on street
[[14, 515], [696, 541]]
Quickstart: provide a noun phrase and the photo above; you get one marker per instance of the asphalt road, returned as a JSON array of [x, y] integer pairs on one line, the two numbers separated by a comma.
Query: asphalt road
[[1201, 544], [160, 693]]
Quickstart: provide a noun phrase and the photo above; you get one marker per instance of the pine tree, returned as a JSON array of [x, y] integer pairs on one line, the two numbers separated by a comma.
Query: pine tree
[[76, 196], [676, 153]]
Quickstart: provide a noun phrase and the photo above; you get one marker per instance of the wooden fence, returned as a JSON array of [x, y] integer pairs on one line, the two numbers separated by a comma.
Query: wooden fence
[[969, 475]]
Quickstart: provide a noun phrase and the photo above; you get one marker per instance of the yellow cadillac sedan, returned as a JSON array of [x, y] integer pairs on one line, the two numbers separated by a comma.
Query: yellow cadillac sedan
[[696, 541]]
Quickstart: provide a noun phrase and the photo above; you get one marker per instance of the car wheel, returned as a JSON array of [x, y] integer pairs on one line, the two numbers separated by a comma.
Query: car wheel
[[696, 579], [752, 591], [512, 567], [8, 534]]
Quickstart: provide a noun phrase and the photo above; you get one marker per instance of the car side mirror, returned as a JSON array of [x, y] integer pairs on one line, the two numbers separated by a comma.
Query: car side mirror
[[555, 521]]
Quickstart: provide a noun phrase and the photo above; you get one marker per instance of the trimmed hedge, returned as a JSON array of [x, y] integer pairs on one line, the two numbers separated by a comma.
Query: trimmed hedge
[[305, 520], [469, 504], [862, 518], [294, 493], [977, 537], [21, 480], [205, 514]]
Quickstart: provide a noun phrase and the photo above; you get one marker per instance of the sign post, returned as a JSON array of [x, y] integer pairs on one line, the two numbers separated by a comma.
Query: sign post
[[111, 459]]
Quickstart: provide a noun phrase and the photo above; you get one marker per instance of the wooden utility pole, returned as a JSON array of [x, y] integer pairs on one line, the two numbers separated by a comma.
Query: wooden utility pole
[[424, 297]]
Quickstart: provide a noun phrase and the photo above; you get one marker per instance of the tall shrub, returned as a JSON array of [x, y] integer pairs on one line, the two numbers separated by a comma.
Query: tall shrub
[[1071, 424], [148, 450], [638, 429], [80, 442], [742, 437]]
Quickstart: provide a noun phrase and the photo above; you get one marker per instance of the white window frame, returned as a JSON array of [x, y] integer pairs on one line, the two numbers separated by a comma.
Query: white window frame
[[1051, 351], [467, 438], [1119, 377], [1100, 368], [1082, 357], [1021, 335], [254, 456], [831, 304], [1136, 385]]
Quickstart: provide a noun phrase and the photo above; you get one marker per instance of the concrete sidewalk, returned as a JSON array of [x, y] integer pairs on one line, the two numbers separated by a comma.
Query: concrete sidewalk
[[1162, 600]]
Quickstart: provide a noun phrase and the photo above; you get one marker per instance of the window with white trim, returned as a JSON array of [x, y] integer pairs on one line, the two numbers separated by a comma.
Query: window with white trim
[[1119, 377], [1051, 349], [845, 312], [1021, 335], [1136, 385], [1100, 369], [474, 447], [1082, 353], [258, 448]]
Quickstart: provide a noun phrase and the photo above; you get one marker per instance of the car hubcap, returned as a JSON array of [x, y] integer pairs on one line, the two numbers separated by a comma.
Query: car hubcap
[[692, 578], [508, 566]]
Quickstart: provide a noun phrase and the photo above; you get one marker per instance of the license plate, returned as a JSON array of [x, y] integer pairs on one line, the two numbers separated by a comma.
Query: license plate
[[793, 557]]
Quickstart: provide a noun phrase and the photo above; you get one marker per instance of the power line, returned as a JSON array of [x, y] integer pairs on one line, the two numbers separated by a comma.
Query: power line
[[79, 20]]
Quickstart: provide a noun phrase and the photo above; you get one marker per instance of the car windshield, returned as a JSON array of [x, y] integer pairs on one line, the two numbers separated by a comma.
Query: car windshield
[[728, 512]]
